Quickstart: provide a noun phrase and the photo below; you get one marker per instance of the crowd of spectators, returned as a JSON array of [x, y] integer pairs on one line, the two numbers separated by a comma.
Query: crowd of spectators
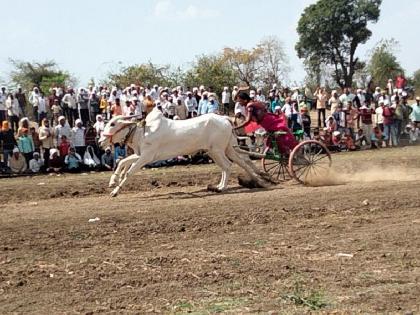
[[62, 134]]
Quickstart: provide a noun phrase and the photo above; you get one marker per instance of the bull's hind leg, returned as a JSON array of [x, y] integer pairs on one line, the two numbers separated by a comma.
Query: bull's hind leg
[[142, 160], [223, 162], [236, 158]]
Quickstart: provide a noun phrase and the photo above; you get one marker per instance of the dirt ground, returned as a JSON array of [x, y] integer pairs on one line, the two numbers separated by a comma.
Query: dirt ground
[[166, 245]]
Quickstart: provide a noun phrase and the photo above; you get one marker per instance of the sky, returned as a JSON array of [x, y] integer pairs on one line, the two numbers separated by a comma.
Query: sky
[[90, 38]]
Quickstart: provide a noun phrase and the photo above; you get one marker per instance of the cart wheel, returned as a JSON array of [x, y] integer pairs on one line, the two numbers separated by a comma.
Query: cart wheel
[[309, 159], [278, 170]]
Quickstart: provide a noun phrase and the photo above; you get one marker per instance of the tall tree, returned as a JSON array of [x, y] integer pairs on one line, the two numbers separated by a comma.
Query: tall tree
[[42, 74], [275, 64], [142, 74], [210, 70], [246, 63], [383, 63], [416, 80], [332, 31]]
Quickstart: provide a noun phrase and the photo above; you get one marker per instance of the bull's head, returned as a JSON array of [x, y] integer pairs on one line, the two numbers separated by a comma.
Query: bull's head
[[116, 130]]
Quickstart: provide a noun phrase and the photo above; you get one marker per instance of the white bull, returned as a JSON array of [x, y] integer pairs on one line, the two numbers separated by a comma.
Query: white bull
[[162, 138]]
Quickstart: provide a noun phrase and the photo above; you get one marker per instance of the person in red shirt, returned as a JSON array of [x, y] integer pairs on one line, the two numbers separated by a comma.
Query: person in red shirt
[[64, 146], [400, 82], [365, 114], [257, 116], [389, 131]]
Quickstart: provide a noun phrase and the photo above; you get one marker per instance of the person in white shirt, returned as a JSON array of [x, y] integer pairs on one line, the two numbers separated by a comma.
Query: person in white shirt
[[361, 96], [346, 97], [225, 101], [191, 103], [168, 107], [42, 108], [154, 92], [70, 106], [62, 129], [13, 111], [78, 136], [34, 100], [377, 94], [3, 109], [260, 96], [36, 163], [379, 118], [334, 101], [390, 87], [234, 92]]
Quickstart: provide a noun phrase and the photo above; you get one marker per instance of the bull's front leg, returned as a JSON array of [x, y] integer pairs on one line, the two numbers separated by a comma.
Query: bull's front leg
[[140, 162], [121, 169]]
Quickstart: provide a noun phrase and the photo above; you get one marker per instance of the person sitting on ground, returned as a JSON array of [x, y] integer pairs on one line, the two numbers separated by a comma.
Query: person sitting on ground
[[327, 137], [336, 140], [361, 139], [376, 138], [73, 161], [36, 163], [119, 152], [55, 164], [348, 141], [336, 144], [331, 124], [107, 160], [17, 162], [413, 132]]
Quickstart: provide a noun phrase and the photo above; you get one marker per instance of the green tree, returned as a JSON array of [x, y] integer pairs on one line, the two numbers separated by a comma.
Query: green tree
[[142, 74], [331, 31], [383, 63], [416, 80], [210, 70], [45, 75]]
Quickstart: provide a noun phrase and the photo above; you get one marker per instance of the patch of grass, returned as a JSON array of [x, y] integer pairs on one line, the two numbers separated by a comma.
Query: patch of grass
[[182, 307], [314, 299], [208, 307], [259, 242]]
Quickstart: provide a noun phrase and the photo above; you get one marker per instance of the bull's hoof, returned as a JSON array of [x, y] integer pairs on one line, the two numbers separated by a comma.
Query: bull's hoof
[[114, 193], [250, 183], [213, 189]]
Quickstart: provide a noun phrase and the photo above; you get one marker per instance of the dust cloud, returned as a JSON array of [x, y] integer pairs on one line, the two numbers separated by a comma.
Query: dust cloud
[[336, 176]]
